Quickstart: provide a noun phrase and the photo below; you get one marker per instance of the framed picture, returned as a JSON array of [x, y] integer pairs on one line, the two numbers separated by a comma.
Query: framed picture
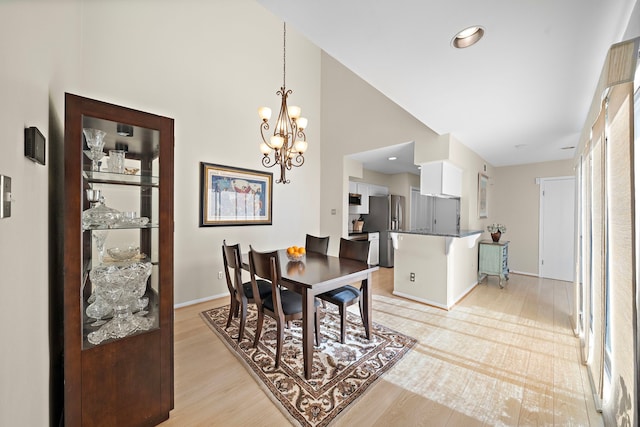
[[482, 195], [234, 196]]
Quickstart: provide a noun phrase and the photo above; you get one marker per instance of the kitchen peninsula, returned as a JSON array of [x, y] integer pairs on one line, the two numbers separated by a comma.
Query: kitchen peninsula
[[435, 268]]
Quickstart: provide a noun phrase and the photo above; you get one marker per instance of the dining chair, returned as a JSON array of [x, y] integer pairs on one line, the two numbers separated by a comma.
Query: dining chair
[[282, 305], [241, 293], [317, 244], [345, 296]]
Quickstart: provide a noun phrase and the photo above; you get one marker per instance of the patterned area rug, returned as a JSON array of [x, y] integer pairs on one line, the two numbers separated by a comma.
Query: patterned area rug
[[341, 372]]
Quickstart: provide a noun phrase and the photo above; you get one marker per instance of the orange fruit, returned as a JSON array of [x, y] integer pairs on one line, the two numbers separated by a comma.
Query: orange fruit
[[291, 250], [301, 250]]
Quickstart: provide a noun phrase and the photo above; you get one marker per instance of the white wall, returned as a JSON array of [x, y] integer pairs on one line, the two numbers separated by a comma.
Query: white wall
[[355, 117], [516, 204], [210, 65], [39, 62]]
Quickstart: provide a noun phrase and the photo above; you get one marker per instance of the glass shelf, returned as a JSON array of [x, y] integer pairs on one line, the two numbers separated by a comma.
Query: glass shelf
[[122, 227], [121, 178]]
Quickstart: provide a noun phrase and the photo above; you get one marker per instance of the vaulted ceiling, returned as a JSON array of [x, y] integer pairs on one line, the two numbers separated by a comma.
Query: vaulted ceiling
[[520, 95]]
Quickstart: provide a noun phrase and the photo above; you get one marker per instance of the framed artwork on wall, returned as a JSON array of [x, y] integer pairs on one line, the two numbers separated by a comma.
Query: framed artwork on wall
[[482, 195], [234, 196]]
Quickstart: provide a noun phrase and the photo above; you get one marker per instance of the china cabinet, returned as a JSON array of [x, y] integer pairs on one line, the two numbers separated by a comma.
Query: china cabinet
[[494, 260], [118, 265]]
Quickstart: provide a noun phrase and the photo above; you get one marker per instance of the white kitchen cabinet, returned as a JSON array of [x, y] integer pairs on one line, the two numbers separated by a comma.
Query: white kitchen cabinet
[[362, 189], [440, 179], [378, 190]]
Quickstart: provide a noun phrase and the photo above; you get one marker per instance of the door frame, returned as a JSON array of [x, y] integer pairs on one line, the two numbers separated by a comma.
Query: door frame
[[541, 182]]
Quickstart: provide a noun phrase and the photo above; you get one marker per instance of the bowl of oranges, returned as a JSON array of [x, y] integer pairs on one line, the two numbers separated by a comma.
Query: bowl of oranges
[[296, 253]]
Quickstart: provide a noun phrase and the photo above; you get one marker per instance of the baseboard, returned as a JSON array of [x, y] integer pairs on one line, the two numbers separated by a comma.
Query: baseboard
[[198, 301], [422, 300], [523, 273]]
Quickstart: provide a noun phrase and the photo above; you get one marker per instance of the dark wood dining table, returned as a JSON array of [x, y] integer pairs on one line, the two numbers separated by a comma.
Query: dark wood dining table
[[314, 275]]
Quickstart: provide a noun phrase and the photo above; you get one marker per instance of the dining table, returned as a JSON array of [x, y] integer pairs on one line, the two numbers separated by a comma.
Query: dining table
[[315, 274]]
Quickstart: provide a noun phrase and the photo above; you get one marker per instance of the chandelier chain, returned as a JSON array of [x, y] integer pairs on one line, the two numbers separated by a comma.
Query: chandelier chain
[[284, 55]]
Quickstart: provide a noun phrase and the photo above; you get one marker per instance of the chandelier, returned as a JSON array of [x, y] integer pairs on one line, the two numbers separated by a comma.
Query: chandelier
[[288, 143]]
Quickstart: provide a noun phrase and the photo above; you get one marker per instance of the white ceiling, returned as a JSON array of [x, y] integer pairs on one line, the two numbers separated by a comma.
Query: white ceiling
[[520, 95], [381, 160]]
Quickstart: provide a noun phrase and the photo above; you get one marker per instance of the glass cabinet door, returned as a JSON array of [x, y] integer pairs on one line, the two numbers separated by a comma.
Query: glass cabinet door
[[120, 291]]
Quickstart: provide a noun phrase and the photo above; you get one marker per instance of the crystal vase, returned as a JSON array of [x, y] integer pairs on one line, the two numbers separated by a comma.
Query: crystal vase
[[100, 236]]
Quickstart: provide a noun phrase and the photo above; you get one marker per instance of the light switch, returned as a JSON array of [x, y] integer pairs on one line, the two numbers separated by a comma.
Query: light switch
[[5, 196]]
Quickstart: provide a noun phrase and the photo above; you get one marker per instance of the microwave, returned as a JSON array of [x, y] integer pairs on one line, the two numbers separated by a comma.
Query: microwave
[[355, 199]]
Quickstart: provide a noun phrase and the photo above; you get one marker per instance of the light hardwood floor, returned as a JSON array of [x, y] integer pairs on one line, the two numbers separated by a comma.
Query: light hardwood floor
[[500, 357]]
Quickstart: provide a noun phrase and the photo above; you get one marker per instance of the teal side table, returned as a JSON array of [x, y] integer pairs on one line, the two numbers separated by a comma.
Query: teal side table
[[494, 260]]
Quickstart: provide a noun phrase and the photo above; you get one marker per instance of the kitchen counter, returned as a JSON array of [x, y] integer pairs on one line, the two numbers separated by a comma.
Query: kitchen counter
[[458, 233], [358, 233], [436, 269]]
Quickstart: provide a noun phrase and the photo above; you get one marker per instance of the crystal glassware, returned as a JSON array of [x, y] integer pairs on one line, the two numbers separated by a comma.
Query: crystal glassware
[[97, 310], [121, 286], [95, 138], [142, 305], [116, 161], [98, 215], [95, 157], [100, 236], [95, 142], [125, 253]]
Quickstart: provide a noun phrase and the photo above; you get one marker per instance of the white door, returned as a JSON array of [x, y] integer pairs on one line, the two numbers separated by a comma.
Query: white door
[[556, 228]]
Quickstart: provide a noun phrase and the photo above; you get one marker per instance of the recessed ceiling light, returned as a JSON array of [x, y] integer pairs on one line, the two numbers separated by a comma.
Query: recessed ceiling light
[[467, 37], [393, 158], [569, 147]]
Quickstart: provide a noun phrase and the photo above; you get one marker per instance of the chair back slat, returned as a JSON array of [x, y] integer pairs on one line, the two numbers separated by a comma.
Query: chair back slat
[[231, 259], [267, 266], [354, 249], [317, 244]]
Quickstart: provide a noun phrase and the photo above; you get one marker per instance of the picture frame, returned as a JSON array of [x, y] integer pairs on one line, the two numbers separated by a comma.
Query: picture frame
[[232, 196], [483, 181]]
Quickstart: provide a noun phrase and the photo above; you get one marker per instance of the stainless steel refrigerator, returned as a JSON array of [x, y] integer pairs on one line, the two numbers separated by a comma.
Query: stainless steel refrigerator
[[386, 213]]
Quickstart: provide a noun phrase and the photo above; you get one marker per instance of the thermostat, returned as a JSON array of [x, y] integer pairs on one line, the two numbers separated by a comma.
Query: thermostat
[[34, 145]]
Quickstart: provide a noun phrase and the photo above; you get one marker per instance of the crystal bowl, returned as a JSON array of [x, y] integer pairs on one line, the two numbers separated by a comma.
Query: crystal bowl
[[123, 254], [295, 257]]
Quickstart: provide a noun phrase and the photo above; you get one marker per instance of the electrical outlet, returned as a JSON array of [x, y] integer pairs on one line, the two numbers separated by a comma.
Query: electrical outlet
[[412, 277], [219, 275]]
